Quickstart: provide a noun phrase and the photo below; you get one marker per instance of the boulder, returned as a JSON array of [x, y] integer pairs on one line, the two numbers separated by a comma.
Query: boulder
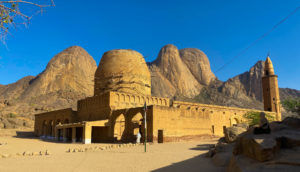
[[292, 122], [242, 163], [277, 151], [222, 159], [231, 133]]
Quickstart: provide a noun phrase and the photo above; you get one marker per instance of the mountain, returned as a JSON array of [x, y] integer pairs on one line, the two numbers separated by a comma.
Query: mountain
[[246, 84], [180, 72], [67, 78]]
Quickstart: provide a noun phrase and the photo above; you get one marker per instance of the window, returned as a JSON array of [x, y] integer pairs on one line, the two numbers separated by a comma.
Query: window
[[267, 72]]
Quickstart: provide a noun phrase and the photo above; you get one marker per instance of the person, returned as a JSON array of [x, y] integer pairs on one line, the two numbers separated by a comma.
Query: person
[[264, 126], [138, 137]]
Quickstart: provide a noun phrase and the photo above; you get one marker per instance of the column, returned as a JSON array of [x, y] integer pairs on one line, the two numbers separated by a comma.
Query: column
[[87, 134], [73, 134], [56, 134], [64, 134]]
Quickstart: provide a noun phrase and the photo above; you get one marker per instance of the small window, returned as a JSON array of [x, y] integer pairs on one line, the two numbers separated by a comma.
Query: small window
[[213, 129], [223, 113], [267, 72]]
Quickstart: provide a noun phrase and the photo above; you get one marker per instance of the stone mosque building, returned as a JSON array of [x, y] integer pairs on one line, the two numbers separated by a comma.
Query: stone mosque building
[[116, 111]]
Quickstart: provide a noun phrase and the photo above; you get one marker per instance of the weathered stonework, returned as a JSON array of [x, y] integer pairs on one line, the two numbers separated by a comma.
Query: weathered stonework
[[116, 112]]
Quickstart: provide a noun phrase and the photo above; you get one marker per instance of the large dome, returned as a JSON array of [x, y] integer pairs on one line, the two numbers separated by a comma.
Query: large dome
[[123, 71]]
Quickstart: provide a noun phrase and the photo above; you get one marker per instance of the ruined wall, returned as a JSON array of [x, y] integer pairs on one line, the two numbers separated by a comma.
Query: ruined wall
[[45, 122]]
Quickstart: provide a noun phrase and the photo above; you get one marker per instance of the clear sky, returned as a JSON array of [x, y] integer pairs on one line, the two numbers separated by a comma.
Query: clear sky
[[220, 28]]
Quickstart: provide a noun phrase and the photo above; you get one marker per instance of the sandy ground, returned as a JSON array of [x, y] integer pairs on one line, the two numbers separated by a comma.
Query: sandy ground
[[180, 156]]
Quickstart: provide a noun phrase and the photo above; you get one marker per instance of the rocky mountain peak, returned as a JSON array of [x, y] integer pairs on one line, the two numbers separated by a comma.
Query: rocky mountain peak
[[173, 69], [198, 63], [246, 84], [71, 69]]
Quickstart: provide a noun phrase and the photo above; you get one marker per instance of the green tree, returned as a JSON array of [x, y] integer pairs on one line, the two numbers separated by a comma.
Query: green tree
[[17, 12], [254, 117], [292, 105]]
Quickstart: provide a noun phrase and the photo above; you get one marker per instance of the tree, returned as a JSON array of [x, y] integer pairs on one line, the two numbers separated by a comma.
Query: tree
[[292, 105], [18, 12], [254, 117]]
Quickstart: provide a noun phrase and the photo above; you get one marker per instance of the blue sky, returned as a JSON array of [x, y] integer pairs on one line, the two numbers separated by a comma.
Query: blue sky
[[222, 29]]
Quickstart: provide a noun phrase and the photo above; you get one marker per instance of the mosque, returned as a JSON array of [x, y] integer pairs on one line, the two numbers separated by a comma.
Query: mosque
[[116, 111]]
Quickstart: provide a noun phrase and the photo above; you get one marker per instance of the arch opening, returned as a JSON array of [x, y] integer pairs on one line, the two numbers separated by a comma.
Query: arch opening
[[137, 123], [119, 127]]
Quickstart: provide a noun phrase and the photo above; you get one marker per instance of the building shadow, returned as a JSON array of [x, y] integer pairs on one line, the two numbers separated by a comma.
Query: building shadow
[[25, 134], [197, 163], [202, 147]]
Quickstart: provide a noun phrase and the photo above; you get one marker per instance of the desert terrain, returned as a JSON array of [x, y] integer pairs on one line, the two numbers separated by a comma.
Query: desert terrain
[[178, 156]]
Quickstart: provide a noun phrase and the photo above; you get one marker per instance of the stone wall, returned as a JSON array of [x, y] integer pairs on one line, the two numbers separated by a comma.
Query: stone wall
[[45, 122], [192, 119], [94, 108]]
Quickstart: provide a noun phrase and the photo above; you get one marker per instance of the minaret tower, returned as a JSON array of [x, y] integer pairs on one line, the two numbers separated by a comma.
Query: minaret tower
[[270, 89]]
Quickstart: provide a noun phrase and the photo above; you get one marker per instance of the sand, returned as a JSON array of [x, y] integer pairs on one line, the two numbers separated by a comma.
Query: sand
[[179, 156]]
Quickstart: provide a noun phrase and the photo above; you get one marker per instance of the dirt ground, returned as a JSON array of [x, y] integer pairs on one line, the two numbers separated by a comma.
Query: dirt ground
[[179, 156]]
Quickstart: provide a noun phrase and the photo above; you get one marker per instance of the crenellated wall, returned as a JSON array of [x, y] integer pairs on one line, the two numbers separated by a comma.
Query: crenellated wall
[[123, 100]]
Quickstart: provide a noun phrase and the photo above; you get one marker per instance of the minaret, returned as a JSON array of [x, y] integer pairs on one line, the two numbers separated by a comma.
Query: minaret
[[270, 89]]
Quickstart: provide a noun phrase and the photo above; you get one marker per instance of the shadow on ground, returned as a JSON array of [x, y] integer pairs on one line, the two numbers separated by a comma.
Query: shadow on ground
[[203, 147], [25, 134], [197, 163]]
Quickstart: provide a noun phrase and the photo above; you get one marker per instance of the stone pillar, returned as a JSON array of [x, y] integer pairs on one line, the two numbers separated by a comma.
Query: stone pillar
[[73, 134], [56, 134], [53, 133], [87, 134], [64, 134]]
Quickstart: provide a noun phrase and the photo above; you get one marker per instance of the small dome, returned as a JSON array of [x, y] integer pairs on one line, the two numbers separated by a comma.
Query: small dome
[[123, 71]]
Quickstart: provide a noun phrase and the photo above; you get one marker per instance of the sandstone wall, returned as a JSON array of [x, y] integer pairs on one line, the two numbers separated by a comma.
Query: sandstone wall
[[93, 108], [192, 119], [45, 122]]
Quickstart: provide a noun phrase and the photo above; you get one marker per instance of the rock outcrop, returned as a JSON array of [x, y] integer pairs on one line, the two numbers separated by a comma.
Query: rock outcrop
[[247, 84], [268, 152], [231, 133], [72, 69], [180, 72], [67, 78], [198, 64]]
